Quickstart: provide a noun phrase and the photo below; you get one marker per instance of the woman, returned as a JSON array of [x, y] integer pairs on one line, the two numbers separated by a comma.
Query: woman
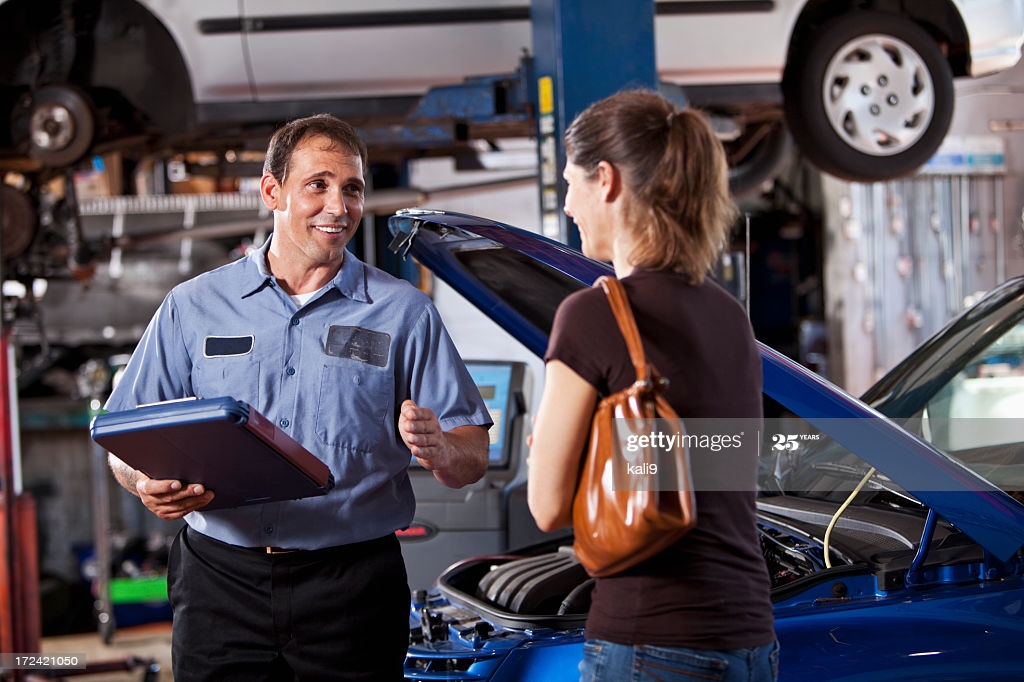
[[647, 187]]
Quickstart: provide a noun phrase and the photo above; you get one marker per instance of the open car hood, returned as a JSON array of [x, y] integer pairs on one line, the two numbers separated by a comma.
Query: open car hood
[[518, 278]]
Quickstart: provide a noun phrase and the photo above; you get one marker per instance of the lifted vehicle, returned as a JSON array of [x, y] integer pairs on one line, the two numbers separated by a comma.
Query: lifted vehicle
[[867, 87]]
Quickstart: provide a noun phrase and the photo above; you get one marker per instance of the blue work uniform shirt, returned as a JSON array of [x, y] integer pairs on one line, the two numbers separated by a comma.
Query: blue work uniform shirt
[[332, 374]]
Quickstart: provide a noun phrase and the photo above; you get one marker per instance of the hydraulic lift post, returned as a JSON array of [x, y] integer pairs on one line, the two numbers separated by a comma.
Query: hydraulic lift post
[[19, 579], [583, 50]]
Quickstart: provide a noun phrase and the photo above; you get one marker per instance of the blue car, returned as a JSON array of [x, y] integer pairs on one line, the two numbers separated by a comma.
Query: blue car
[[892, 525]]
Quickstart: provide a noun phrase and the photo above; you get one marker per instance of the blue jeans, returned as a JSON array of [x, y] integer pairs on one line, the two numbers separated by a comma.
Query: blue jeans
[[610, 662]]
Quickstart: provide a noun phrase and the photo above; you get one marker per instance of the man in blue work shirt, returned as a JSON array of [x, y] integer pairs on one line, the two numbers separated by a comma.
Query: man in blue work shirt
[[355, 365]]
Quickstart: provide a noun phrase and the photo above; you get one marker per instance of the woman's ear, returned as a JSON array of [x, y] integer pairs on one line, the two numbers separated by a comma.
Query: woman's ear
[[609, 180]]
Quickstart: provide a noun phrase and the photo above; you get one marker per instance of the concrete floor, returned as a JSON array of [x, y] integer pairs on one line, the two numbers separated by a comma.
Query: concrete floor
[[149, 642]]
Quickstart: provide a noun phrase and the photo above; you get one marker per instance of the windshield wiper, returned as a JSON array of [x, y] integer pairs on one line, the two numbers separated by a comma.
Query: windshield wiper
[[879, 481]]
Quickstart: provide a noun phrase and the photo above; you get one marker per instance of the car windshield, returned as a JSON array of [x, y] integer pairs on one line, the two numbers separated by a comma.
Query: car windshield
[[968, 408], [503, 271]]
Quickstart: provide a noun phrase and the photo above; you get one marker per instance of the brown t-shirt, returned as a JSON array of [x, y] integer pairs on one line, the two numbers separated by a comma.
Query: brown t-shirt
[[711, 589]]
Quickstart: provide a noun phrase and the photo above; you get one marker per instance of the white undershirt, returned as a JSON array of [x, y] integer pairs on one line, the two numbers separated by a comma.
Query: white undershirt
[[301, 299]]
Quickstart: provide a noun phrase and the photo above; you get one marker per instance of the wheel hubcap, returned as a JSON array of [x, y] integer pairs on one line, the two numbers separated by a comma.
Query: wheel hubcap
[[878, 95], [52, 127]]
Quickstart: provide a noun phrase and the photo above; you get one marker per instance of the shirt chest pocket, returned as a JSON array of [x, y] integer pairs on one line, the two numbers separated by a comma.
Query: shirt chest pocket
[[235, 376], [355, 405]]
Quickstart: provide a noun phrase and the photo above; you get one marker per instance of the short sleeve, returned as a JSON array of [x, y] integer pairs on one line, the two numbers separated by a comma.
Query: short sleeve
[[438, 378], [159, 368], [586, 337]]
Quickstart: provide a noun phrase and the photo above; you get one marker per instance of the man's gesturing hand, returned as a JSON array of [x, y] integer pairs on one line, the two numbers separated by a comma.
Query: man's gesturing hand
[[421, 432], [456, 458]]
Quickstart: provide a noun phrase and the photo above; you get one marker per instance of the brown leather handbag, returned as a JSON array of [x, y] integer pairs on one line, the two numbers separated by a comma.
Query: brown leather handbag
[[635, 495]]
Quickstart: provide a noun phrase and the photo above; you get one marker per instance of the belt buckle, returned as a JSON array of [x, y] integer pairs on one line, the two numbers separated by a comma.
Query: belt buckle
[[278, 550]]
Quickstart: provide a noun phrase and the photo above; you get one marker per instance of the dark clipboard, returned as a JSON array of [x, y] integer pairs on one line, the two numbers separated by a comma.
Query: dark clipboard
[[222, 443]]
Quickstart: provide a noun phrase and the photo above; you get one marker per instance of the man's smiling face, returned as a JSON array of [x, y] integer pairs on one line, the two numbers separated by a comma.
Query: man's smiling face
[[319, 204]]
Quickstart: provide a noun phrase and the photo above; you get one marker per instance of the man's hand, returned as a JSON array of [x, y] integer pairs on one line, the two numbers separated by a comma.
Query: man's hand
[[421, 432], [167, 499], [457, 457], [170, 499]]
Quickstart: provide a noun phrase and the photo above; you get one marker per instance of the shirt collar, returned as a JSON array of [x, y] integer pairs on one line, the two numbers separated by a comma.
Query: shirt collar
[[350, 280]]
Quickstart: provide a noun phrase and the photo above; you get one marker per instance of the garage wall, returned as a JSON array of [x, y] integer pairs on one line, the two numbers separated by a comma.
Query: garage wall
[[904, 257]]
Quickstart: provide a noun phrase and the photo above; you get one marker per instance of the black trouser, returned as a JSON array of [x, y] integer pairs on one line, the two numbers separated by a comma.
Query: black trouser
[[340, 613]]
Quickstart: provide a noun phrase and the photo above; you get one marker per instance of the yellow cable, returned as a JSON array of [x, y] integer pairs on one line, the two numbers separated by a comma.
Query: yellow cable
[[839, 512]]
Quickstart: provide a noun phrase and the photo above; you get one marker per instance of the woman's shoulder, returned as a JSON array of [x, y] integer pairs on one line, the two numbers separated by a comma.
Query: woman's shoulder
[[580, 316], [583, 304], [667, 286]]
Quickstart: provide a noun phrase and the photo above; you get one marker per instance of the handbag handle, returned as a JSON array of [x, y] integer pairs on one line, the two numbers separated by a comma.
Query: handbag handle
[[627, 324]]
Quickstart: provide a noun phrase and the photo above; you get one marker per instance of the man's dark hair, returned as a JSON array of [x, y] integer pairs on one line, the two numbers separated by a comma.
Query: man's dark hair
[[287, 138]]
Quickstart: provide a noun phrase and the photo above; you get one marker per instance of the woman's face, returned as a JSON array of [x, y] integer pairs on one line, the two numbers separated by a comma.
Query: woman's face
[[584, 203]]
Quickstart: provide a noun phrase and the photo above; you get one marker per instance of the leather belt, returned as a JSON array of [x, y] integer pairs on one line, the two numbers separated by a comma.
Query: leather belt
[[279, 550]]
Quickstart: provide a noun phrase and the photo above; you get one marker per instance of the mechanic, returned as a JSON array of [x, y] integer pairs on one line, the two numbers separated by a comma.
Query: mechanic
[[354, 364]]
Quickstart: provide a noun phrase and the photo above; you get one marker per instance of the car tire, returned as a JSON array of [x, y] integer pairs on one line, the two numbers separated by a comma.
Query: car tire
[[869, 98], [18, 222], [763, 162], [60, 125]]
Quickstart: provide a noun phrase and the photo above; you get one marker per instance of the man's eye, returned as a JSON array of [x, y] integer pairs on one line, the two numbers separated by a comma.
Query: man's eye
[[318, 184]]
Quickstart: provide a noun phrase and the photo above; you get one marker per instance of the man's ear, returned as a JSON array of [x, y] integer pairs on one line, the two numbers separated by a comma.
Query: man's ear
[[269, 188], [610, 181]]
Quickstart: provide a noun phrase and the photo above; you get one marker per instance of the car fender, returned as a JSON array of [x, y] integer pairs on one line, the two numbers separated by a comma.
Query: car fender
[[213, 56], [991, 49], [972, 628]]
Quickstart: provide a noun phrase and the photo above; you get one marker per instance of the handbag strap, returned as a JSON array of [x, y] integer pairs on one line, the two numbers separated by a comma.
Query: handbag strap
[[627, 324]]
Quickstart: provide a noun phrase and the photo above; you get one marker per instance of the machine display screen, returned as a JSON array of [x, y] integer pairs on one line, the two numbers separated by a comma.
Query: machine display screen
[[498, 382], [495, 381]]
